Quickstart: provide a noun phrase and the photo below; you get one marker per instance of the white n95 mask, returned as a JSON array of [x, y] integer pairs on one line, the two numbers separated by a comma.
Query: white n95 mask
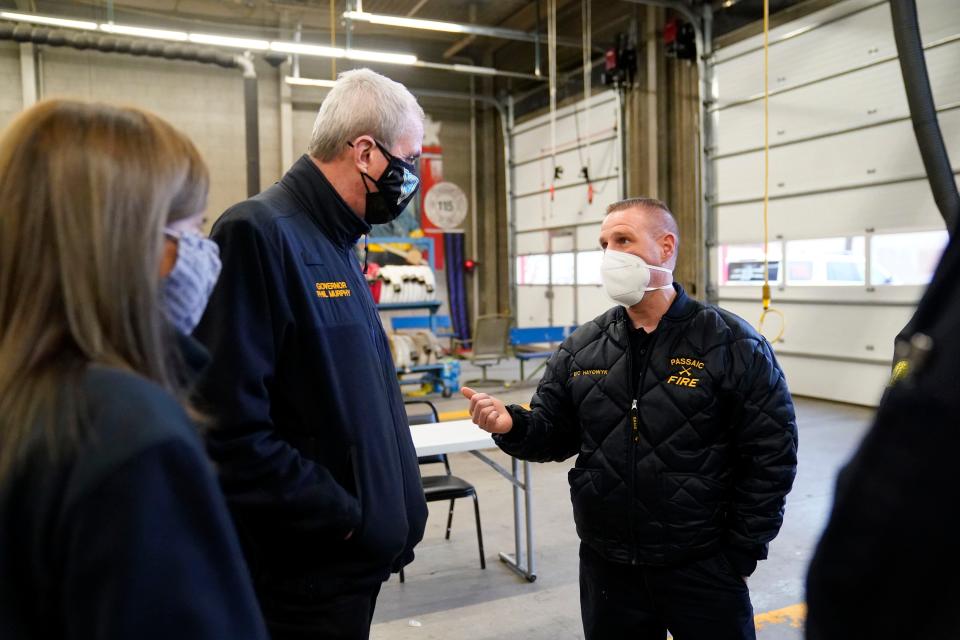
[[626, 276]]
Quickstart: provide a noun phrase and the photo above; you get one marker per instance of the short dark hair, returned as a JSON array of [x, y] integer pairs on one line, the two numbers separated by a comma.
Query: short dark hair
[[668, 221], [647, 203]]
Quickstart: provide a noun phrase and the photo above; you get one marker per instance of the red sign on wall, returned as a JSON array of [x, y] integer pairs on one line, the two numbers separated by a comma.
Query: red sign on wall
[[431, 173]]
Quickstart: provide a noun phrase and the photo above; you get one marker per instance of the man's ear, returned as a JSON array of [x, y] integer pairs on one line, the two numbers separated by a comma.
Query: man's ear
[[668, 248], [362, 149]]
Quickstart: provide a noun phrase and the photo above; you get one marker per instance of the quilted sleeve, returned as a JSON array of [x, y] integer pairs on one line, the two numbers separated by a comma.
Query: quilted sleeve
[[549, 430], [765, 436]]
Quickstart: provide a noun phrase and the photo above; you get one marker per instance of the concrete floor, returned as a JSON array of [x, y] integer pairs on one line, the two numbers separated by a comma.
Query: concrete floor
[[447, 596]]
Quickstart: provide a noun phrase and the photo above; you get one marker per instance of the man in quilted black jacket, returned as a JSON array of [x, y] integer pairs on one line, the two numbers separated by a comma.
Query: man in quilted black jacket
[[686, 444]]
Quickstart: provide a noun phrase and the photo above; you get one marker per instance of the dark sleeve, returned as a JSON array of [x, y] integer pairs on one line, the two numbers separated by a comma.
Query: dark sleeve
[[765, 436], [549, 430], [242, 328], [150, 553], [890, 546]]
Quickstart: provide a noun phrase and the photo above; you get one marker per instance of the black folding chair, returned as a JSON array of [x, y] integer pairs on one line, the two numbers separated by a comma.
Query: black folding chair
[[447, 486]]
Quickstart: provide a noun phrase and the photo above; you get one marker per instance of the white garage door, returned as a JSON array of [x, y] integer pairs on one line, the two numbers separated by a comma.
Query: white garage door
[[854, 230], [557, 221]]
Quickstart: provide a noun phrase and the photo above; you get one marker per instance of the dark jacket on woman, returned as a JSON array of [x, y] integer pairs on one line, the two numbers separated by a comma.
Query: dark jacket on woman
[[123, 534]]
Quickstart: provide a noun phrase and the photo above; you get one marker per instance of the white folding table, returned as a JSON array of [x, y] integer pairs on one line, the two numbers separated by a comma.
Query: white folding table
[[457, 436]]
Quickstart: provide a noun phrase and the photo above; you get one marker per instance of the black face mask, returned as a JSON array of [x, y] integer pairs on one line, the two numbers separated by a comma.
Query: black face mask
[[395, 189]]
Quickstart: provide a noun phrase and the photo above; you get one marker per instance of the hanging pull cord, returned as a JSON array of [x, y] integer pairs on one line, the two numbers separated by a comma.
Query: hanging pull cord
[[767, 309]]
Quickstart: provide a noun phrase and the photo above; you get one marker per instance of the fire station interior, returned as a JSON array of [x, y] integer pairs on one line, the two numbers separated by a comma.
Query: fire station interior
[[787, 150]]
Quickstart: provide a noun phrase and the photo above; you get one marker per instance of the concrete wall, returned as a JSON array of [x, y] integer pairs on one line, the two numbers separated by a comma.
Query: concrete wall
[[11, 89], [203, 101]]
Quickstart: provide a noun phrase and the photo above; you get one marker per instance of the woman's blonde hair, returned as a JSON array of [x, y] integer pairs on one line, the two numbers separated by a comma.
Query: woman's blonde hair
[[85, 193]]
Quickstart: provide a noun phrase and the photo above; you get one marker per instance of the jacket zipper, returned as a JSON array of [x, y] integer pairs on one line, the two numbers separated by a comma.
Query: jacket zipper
[[635, 443], [377, 343], [634, 439]]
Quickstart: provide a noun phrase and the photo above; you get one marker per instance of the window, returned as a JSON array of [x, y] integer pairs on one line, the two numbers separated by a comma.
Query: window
[[826, 262], [588, 267], [533, 269], [742, 264], [905, 258], [562, 264]]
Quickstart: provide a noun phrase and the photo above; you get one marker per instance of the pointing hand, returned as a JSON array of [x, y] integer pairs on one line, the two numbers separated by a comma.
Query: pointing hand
[[487, 412]]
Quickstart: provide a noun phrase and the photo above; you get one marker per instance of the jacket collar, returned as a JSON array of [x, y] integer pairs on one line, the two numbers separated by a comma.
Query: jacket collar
[[681, 307], [305, 182]]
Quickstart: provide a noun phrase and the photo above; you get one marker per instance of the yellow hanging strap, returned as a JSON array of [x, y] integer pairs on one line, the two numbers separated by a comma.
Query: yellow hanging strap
[[767, 309]]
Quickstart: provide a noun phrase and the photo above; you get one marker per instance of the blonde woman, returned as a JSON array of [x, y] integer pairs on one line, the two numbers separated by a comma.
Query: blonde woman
[[111, 522]]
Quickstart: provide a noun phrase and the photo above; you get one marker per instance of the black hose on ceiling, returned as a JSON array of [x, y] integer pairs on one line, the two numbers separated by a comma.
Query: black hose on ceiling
[[923, 112], [23, 33], [109, 44]]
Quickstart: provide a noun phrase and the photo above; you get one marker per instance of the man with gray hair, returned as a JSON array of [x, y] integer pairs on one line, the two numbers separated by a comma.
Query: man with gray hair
[[685, 438], [308, 426]]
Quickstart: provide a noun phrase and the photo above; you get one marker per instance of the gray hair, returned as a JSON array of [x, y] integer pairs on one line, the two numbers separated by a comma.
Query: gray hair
[[362, 102]]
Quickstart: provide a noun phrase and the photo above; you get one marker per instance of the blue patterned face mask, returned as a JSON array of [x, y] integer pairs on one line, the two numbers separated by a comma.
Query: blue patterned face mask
[[187, 289]]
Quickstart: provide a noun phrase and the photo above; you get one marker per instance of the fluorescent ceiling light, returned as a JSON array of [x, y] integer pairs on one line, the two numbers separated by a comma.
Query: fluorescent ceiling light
[[475, 70], [399, 21], [302, 49], [381, 56], [280, 46], [309, 82], [47, 20], [143, 32], [226, 41], [469, 68], [307, 49]]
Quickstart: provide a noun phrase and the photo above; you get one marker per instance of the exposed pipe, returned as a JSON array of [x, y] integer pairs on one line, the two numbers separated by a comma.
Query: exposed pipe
[[112, 44], [457, 27], [157, 49], [507, 123], [703, 33], [475, 70], [474, 217], [251, 122], [297, 36], [622, 140], [923, 112], [536, 42]]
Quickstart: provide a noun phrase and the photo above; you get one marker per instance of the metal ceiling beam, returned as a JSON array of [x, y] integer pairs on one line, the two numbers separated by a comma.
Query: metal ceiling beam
[[500, 33], [525, 19]]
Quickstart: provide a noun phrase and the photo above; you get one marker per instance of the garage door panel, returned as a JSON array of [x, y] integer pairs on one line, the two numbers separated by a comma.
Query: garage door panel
[[852, 42], [833, 330], [563, 305], [602, 159], [879, 154], [532, 242], [592, 302], [868, 97], [532, 138], [533, 309], [848, 382], [892, 207], [855, 41], [569, 207]]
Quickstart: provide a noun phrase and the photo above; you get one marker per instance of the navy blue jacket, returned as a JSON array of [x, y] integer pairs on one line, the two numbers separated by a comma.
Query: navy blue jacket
[[311, 436], [124, 534]]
